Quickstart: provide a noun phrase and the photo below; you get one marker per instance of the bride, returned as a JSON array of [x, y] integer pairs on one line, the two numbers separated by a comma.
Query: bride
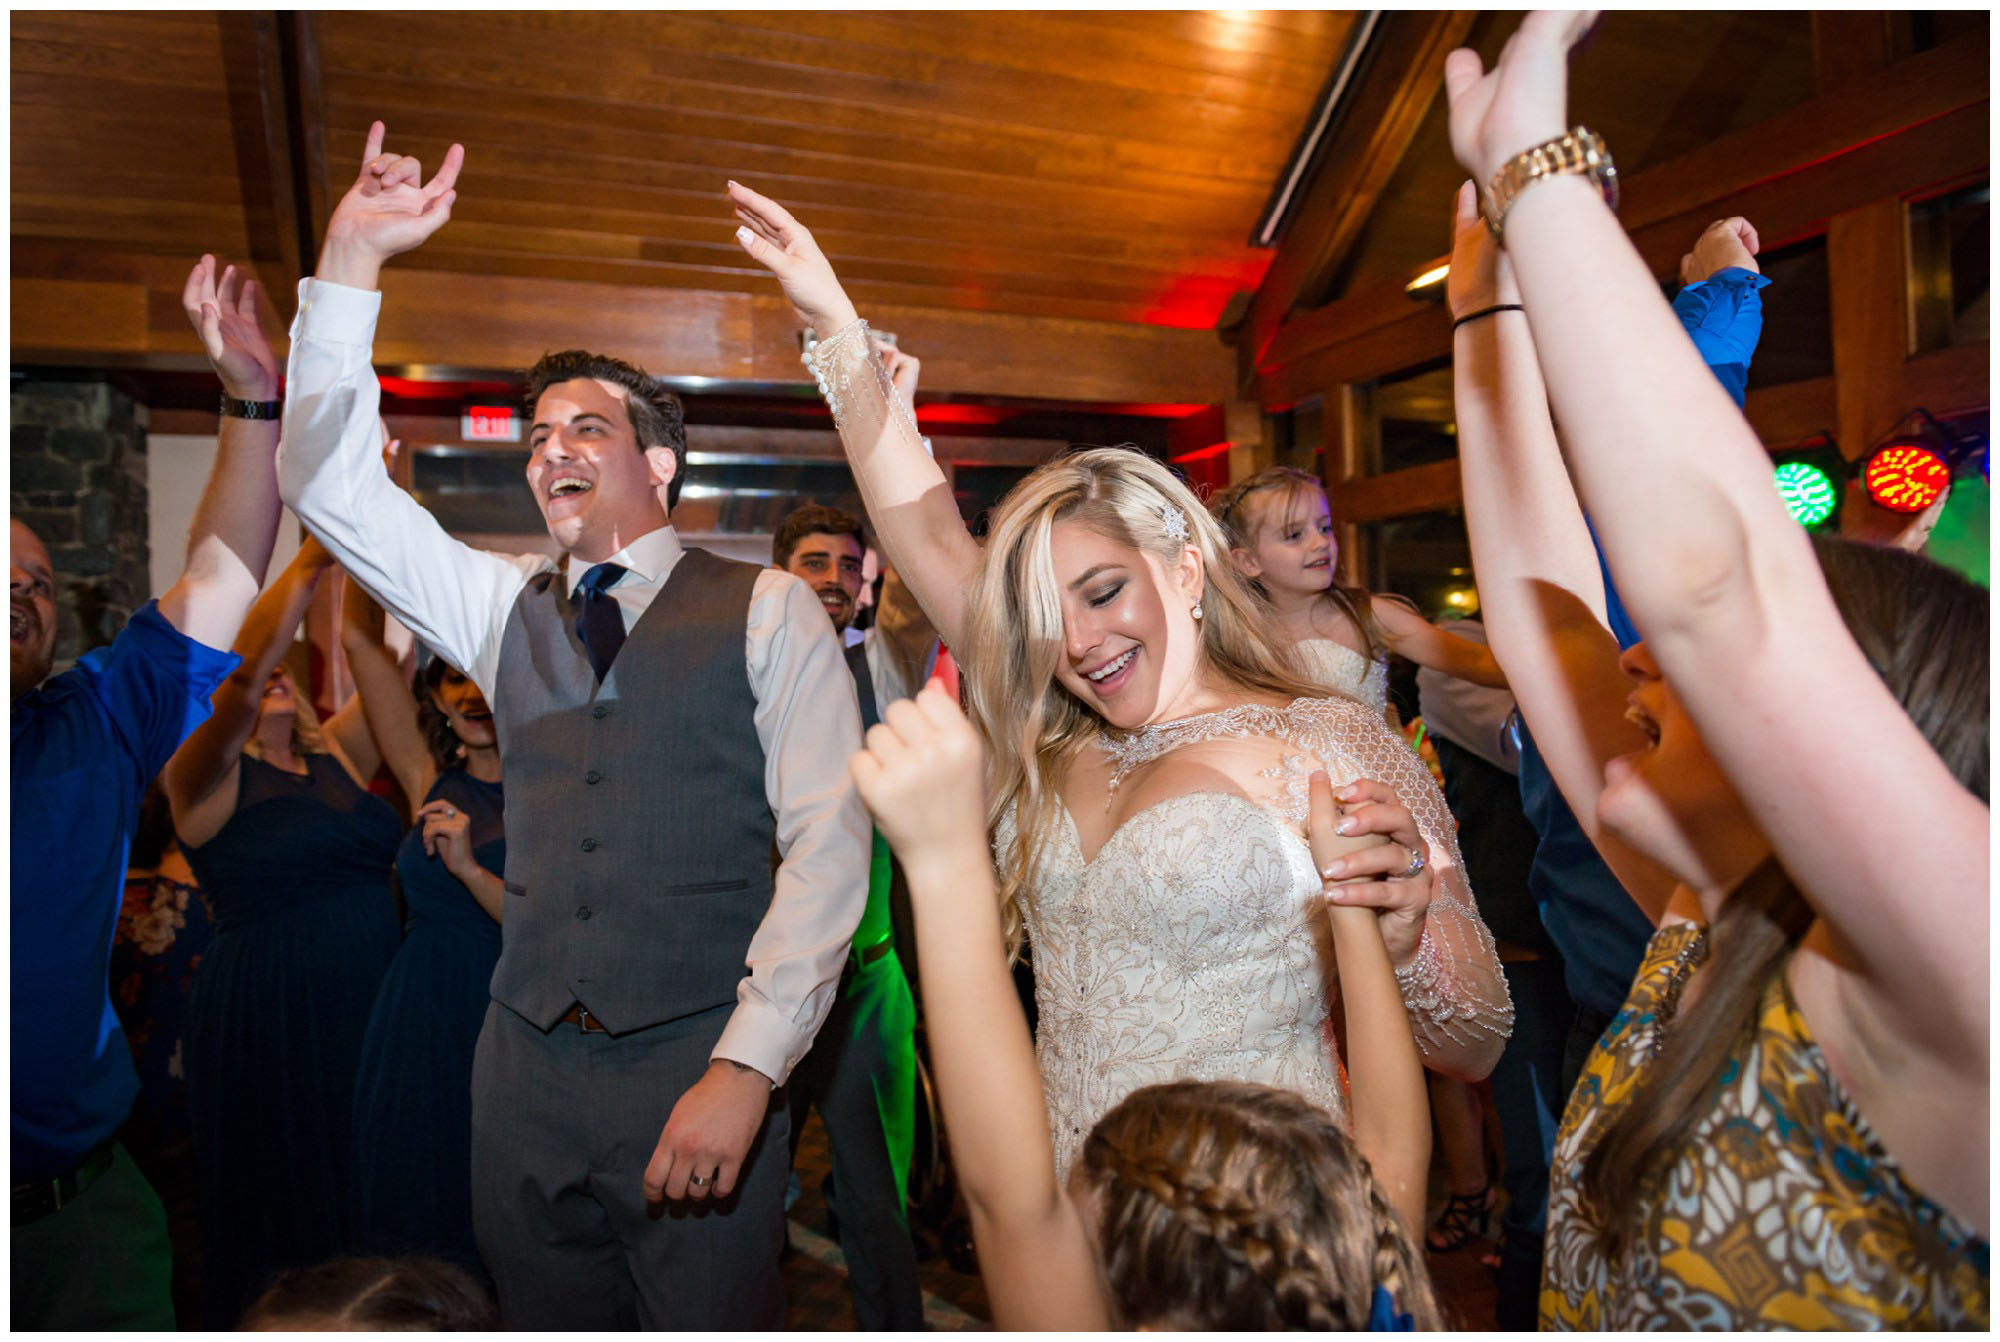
[[1151, 749]]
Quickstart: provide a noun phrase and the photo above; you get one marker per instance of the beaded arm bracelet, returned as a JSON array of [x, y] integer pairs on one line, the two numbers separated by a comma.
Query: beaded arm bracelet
[[833, 361]]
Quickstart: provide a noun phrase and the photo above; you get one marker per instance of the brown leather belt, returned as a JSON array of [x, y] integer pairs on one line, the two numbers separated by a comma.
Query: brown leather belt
[[44, 1197], [583, 1020], [861, 959]]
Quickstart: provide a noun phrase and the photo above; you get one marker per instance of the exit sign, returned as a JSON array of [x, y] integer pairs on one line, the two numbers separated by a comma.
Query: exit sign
[[489, 424]]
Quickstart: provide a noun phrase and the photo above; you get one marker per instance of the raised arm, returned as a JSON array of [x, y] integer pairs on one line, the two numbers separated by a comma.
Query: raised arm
[[1724, 584], [906, 495], [194, 778], [1416, 638], [236, 522], [381, 688], [1539, 578], [379, 724], [451, 596], [922, 778], [1392, 1123], [1445, 962]]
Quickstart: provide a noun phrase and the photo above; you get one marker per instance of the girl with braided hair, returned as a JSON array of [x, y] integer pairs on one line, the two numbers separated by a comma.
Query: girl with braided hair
[[1191, 1204]]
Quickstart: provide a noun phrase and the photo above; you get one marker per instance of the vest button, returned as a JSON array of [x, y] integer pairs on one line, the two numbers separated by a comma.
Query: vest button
[[600, 711], [588, 845], [583, 912], [593, 777]]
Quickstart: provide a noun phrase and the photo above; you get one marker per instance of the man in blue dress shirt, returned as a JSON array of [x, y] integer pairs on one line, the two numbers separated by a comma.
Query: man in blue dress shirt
[[89, 1246]]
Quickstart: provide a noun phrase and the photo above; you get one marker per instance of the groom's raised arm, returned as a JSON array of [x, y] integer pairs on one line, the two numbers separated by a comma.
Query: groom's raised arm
[[453, 597]]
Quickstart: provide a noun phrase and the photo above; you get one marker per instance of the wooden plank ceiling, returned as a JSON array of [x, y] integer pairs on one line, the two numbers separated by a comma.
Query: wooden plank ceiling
[[1099, 168], [1103, 166]]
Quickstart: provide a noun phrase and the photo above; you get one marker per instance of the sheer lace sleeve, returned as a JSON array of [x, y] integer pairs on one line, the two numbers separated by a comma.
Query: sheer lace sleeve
[[909, 502], [1453, 986], [857, 388]]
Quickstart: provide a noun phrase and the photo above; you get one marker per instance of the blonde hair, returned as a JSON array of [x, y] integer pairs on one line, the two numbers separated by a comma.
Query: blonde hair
[[1281, 486], [1229, 1205], [307, 738], [1032, 725]]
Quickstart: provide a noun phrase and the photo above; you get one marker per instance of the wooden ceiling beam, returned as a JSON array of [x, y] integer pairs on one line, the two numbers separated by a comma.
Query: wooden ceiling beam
[[111, 308], [1403, 76], [261, 122], [1917, 125]]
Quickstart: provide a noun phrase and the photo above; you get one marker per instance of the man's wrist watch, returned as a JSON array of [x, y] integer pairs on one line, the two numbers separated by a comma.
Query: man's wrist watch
[[235, 407], [1579, 152]]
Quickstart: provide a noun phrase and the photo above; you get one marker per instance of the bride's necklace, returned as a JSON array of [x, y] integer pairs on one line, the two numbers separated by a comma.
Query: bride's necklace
[[1127, 750]]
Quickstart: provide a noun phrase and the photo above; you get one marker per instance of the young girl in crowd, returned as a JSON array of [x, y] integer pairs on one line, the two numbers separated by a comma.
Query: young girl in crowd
[[1281, 538], [1785, 1126], [1194, 1204], [1150, 749]]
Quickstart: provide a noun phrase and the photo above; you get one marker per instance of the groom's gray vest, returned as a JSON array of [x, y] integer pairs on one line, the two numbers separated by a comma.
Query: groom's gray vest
[[639, 837]]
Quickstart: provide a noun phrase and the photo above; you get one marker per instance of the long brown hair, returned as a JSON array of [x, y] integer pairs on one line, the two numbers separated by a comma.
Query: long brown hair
[[1225, 1205], [1032, 726], [1241, 508], [1925, 630]]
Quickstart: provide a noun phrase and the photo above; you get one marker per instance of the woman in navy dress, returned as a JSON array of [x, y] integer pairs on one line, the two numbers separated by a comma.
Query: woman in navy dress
[[413, 1095], [294, 853]]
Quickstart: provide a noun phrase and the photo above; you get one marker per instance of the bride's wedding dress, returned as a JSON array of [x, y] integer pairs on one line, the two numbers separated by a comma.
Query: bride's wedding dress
[[1194, 944]]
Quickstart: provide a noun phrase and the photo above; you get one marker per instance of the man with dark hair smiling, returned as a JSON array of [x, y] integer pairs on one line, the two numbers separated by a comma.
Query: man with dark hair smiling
[[666, 718]]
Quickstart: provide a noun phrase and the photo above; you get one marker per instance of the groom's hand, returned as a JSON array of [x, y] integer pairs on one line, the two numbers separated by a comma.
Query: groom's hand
[[702, 1147]]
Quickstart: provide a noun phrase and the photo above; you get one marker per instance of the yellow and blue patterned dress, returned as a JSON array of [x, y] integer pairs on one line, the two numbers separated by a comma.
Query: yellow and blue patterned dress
[[1783, 1212]]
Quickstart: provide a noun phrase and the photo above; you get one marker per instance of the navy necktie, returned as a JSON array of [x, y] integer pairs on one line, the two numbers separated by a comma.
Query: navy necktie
[[600, 625]]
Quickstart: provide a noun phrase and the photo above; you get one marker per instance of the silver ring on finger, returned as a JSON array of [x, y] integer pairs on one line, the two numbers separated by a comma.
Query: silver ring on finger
[[698, 1181], [1417, 863]]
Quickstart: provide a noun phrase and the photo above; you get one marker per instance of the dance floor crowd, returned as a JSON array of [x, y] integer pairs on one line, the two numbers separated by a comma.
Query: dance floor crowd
[[1079, 875]]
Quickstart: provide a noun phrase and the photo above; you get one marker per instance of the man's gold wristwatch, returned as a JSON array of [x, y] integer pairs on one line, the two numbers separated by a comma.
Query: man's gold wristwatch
[[1581, 152]]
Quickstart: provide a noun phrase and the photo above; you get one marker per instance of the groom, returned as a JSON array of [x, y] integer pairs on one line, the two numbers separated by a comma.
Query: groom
[[666, 719]]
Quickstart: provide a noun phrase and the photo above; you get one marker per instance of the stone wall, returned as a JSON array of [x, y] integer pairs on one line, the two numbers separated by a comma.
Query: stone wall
[[79, 479]]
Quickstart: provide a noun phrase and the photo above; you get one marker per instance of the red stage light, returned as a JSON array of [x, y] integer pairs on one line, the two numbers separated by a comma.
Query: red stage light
[[1201, 453], [1906, 477]]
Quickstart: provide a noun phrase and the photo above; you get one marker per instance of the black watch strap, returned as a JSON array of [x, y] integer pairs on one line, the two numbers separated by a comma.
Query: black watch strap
[[236, 408]]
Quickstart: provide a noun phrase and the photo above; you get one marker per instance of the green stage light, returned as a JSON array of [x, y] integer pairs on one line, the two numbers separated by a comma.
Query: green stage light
[[1809, 492]]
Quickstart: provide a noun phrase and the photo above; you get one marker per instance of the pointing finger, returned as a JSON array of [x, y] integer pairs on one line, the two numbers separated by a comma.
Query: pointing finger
[[376, 133]]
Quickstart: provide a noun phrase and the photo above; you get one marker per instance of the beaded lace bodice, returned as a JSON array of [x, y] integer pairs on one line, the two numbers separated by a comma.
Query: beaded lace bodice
[[1194, 943], [1341, 668]]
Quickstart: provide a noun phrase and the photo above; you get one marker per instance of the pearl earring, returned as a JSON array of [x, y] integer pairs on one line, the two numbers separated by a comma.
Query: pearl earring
[[1197, 610]]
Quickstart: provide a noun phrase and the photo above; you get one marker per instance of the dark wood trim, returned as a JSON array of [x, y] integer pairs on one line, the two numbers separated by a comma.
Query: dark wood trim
[[1403, 77], [1948, 381], [1420, 489], [309, 151], [260, 113], [1791, 413], [1912, 127]]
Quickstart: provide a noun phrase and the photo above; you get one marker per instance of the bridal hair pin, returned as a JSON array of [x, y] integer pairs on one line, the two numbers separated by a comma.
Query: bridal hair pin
[[1175, 522]]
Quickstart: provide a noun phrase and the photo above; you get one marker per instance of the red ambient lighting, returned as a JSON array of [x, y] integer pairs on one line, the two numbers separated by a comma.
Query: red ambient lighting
[[1906, 477], [1201, 453]]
